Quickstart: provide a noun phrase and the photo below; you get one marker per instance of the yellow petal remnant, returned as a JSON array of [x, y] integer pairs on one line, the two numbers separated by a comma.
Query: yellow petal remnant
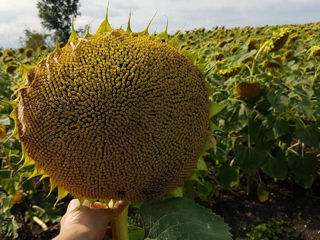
[[17, 197], [74, 36], [52, 186], [129, 24], [146, 31], [61, 194], [2, 132], [164, 35], [105, 25]]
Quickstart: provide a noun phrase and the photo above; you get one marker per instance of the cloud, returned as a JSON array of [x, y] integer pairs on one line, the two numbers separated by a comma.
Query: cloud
[[16, 15], [12, 31]]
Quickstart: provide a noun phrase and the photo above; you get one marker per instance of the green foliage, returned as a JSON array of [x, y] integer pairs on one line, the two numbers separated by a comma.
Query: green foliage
[[228, 175], [271, 230], [204, 188], [8, 225], [21, 200], [136, 233], [180, 218], [277, 131], [57, 16], [33, 39]]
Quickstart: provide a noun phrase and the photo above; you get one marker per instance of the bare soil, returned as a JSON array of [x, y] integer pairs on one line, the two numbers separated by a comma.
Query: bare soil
[[298, 208]]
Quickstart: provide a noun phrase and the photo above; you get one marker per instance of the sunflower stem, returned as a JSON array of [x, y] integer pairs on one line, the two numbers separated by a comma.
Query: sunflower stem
[[255, 59], [119, 226]]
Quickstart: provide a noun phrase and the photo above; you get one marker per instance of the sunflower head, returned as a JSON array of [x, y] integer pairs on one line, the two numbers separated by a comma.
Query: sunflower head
[[248, 90], [113, 115], [11, 67], [8, 52], [287, 55], [29, 52], [252, 43], [314, 51], [21, 50]]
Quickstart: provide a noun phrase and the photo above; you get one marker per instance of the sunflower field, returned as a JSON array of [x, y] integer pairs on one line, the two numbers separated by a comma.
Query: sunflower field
[[264, 95]]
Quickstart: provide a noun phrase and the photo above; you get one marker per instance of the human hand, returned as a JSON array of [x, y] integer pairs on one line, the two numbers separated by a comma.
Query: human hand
[[87, 222]]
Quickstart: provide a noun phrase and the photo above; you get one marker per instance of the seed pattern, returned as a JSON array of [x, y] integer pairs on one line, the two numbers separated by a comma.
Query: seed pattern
[[114, 116]]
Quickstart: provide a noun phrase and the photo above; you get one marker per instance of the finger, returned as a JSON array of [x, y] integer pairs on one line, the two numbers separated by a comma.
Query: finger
[[73, 204], [119, 207], [111, 212], [99, 205], [86, 203]]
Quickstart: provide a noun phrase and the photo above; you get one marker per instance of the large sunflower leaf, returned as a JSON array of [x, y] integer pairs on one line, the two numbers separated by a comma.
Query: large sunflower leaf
[[181, 218]]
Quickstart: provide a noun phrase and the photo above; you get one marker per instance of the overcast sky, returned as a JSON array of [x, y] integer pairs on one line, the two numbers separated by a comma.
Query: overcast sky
[[17, 15]]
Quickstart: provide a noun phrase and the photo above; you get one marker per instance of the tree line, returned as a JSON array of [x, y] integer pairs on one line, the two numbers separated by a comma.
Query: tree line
[[56, 17]]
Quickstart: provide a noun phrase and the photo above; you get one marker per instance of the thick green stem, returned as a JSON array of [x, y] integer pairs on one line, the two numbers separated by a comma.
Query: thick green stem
[[249, 182], [249, 139], [119, 226], [255, 59]]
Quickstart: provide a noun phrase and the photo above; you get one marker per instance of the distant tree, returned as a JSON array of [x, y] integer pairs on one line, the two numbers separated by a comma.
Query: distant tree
[[33, 39], [56, 15]]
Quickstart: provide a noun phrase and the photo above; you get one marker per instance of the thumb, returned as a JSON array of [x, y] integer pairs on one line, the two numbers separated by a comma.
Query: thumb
[[73, 204]]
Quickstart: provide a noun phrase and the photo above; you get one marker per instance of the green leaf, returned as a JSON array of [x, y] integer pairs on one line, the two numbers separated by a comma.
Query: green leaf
[[303, 168], [278, 101], [188, 190], [15, 226], [4, 174], [276, 166], [257, 132], [136, 233], [9, 227], [305, 107], [274, 128], [244, 56], [4, 121], [215, 108], [7, 204], [280, 128], [236, 116], [205, 190], [202, 169], [9, 184], [249, 159], [181, 218], [228, 176], [178, 192], [309, 135]]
